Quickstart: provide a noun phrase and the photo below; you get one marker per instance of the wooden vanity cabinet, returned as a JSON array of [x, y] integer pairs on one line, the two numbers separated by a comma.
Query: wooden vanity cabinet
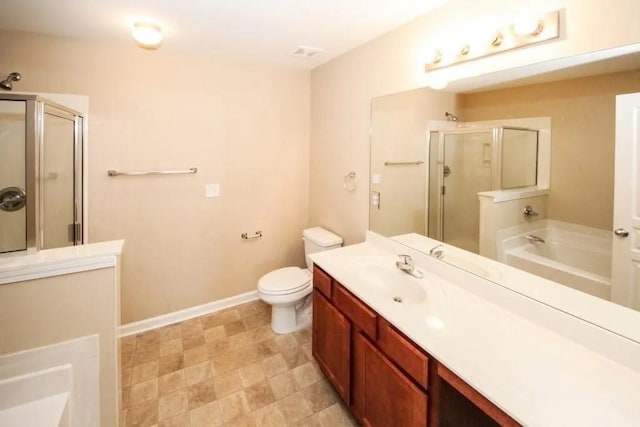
[[345, 333], [384, 377], [331, 345], [383, 395]]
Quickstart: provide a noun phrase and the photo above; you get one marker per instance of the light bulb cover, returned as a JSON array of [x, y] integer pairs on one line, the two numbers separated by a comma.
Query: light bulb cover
[[433, 56], [438, 83], [527, 26], [147, 34]]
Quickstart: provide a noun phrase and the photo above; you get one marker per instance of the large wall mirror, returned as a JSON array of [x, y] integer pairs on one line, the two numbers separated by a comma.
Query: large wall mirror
[[519, 172]]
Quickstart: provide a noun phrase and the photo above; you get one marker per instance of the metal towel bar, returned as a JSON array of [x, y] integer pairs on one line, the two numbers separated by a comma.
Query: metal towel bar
[[155, 172], [419, 162]]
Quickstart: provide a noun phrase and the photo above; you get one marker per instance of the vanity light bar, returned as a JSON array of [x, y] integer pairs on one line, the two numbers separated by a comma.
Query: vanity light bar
[[547, 27]]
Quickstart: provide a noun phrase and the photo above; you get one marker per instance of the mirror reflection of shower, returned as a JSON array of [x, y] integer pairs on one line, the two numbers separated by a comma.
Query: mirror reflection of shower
[[465, 162], [450, 117], [7, 84]]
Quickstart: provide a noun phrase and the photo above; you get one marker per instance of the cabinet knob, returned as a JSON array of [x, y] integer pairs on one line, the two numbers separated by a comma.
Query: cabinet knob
[[621, 232]]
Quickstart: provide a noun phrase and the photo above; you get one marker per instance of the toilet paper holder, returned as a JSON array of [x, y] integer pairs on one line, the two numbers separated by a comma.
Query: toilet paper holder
[[255, 235]]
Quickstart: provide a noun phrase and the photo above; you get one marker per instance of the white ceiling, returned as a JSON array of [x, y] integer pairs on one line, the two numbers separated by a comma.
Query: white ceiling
[[262, 30]]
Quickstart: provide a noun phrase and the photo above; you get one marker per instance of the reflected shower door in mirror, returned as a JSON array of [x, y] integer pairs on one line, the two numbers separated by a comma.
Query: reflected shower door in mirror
[[464, 163], [542, 203], [461, 157], [13, 212]]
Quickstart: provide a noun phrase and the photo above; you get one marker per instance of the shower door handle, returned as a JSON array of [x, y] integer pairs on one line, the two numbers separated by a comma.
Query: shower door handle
[[621, 232], [12, 199]]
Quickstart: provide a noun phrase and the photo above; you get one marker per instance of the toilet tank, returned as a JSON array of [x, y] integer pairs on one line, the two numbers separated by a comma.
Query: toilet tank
[[318, 239]]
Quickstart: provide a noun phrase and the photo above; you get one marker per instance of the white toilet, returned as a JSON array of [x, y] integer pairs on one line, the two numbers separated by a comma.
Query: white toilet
[[287, 289]]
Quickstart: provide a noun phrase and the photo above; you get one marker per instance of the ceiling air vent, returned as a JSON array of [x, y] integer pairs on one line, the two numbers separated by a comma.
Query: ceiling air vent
[[306, 52]]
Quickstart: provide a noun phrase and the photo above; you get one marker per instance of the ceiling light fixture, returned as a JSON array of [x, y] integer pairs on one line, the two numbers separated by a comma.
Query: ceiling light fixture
[[478, 43], [147, 34]]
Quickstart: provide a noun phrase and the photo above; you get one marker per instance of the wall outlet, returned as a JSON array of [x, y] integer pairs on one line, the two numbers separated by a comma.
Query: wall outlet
[[212, 190]]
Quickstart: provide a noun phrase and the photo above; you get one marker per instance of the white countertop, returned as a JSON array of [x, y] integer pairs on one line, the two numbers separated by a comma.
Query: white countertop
[[54, 262], [537, 375]]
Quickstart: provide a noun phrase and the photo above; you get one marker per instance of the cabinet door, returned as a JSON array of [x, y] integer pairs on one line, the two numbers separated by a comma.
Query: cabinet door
[[383, 395], [332, 344]]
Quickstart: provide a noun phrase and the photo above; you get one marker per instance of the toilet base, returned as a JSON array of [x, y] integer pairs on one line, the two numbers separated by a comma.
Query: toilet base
[[286, 319]]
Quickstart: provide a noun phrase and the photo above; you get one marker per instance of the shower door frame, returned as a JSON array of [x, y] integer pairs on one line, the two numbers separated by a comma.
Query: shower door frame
[[36, 107], [495, 174], [497, 135]]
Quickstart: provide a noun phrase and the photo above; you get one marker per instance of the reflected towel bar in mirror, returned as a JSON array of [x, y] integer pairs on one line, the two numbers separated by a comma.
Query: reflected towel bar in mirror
[[167, 172], [419, 162]]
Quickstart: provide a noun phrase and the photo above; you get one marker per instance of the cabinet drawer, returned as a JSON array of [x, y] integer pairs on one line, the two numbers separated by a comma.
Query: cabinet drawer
[[322, 281], [403, 352], [361, 315]]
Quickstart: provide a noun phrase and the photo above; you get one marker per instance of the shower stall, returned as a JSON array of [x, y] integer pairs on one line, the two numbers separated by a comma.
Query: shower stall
[[465, 162], [41, 146]]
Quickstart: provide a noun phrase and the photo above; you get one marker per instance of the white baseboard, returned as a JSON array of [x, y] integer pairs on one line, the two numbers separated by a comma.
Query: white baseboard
[[188, 313]]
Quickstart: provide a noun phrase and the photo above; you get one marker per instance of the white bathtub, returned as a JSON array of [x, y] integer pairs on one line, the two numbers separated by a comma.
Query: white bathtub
[[38, 399], [573, 255]]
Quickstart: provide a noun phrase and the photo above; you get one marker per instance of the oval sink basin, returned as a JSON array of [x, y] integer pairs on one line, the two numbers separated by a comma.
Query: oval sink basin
[[391, 282]]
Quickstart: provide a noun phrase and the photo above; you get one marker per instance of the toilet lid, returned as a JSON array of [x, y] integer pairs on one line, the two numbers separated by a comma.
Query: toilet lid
[[284, 280]]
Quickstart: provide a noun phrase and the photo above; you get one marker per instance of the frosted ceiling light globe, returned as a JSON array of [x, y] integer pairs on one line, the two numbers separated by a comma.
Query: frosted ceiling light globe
[[147, 34]]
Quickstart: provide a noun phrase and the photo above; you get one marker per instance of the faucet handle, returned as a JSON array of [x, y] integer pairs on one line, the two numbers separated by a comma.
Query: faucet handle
[[436, 252], [528, 211], [405, 259]]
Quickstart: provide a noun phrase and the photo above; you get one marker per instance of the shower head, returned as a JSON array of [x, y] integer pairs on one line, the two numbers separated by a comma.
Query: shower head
[[7, 84], [450, 117]]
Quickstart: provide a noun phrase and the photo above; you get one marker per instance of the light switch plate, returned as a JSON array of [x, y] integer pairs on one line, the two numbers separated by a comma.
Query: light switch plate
[[212, 190]]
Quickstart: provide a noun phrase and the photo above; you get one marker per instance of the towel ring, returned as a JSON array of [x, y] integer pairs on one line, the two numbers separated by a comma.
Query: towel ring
[[350, 182]]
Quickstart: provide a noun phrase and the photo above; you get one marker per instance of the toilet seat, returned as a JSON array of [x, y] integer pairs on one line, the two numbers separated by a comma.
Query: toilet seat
[[284, 281]]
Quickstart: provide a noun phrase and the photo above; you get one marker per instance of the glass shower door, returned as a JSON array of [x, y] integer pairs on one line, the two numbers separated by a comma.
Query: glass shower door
[[434, 200], [13, 212], [467, 171], [58, 185]]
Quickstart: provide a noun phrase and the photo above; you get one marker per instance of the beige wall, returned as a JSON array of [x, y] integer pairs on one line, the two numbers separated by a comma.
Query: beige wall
[[42, 312], [342, 89], [243, 125], [582, 115], [399, 134]]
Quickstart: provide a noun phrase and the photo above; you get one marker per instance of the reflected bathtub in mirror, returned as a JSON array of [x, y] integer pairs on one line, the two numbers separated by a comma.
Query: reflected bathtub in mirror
[[570, 254]]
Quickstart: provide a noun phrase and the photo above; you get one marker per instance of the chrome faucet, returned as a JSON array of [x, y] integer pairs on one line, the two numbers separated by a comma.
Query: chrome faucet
[[534, 239], [406, 264], [528, 211], [434, 252]]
